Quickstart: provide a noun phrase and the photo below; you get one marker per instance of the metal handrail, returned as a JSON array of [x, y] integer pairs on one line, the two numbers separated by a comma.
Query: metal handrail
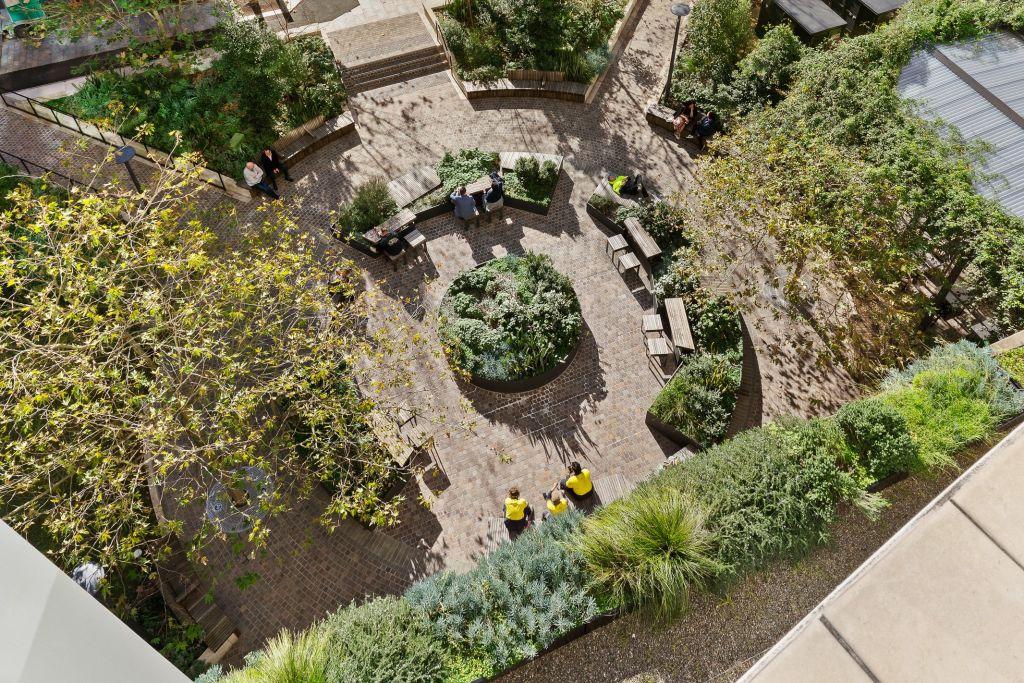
[[111, 138], [7, 157]]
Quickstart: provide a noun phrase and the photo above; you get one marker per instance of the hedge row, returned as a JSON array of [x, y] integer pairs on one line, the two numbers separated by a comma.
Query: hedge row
[[770, 493]]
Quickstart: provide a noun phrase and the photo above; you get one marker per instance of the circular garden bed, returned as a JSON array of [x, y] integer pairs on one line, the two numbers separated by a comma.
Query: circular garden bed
[[511, 324]]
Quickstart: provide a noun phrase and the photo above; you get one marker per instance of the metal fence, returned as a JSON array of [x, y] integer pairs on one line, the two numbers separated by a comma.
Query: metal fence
[[35, 170], [21, 102]]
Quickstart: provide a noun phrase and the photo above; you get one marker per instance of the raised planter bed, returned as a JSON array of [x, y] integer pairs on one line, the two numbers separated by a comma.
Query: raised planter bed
[[546, 84], [670, 432], [529, 383]]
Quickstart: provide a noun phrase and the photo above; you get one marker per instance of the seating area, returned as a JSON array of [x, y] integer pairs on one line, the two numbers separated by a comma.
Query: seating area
[[666, 345]]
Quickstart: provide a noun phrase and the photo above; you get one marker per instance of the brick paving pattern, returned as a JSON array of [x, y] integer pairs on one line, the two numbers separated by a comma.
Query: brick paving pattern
[[485, 442]]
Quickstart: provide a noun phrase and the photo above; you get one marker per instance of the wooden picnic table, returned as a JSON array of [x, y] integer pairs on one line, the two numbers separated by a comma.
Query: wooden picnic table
[[479, 186], [389, 227], [679, 325], [645, 244], [390, 437]]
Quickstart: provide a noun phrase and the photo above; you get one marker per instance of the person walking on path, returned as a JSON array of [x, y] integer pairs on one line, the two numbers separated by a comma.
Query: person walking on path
[[255, 178], [518, 513], [270, 162]]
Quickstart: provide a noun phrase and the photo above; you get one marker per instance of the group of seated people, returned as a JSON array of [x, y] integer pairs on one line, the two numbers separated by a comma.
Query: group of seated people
[[576, 485], [494, 199], [262, 174], [687, 119]]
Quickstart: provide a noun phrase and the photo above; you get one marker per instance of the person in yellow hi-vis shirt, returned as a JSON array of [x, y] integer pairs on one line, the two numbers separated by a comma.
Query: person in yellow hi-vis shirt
[[556, 504], [518, 513], [577, 482]]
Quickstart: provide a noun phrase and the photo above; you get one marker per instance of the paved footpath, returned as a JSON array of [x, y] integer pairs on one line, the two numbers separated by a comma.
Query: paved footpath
[[485, 442]]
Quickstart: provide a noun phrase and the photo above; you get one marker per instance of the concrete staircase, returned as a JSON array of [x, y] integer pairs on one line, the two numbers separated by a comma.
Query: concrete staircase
[[380, 53], [370, 75]]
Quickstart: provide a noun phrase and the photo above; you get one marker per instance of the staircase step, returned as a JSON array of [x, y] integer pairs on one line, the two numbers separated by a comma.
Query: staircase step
[[395, 67], [375, 64], [398, 78]]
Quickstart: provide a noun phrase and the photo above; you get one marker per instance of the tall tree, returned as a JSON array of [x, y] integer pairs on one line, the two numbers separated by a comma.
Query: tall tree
[[138, 349]]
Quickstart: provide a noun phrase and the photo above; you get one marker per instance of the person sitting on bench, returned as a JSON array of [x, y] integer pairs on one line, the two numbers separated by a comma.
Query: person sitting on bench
[[625, 184], [518, 513], [683, 118], [577, 484], [556, 503], [706, 127], [494, 198], [465, 205]]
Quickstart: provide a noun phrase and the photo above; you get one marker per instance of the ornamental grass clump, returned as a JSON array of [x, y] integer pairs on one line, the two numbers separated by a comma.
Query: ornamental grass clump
[[517, 600], [287, 658], [953, 397], [648, 551]]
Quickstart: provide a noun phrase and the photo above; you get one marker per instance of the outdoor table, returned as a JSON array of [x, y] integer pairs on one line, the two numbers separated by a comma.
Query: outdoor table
[[389, 227], [479, 186]]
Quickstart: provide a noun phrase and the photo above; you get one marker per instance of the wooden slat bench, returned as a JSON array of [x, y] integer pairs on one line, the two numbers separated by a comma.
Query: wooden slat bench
[[679, 325], [313, 139], [508, 160], [642, 240], [407, 188]]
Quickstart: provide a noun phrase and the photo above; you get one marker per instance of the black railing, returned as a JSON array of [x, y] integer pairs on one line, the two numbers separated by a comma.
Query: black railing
[[35, 170], [29, 105]]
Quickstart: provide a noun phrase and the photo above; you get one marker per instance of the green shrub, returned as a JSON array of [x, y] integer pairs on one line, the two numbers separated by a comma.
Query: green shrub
[[510, 318], [286, 658], [764, 74], [517, 600], [1013, 362], [715, 323], [648, 551], [879, 437], [770, 491], [700, 397], [463, 167], [664, 221], [370, 206], [532, 181], [570, 36], [719, 35], [257, 89], [383, 641]]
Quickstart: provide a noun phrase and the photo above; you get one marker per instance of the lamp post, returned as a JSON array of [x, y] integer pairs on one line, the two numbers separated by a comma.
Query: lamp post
[[680, 9], [123, 156]]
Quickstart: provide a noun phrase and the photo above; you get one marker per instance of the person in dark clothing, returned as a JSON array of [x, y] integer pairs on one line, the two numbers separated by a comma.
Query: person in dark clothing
[[494, 198], [706, 127], [270, 162], [683, 118]]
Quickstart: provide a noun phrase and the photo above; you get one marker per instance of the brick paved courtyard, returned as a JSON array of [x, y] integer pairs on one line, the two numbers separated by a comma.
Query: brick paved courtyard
[[485, 442]]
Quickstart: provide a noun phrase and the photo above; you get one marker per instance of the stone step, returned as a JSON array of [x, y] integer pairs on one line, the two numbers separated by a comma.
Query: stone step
[[396, 77], [383, 68]]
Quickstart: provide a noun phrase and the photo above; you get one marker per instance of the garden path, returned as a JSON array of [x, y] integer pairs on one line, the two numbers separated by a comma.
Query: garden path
[[593, 413]]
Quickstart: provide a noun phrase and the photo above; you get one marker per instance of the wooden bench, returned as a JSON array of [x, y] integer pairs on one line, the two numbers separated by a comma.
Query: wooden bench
[[605, 190], [642, 240], [409, 187], [189, 599], [660, 116], [679, 325], [508, 87], [294, 150], [507, 160], [390, 437]]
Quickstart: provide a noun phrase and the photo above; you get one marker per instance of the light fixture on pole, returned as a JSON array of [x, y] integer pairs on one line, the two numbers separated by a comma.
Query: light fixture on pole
[[680, 9], [124, 156]]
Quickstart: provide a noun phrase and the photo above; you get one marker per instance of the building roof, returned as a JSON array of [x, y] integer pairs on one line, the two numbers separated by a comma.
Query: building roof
[[813, 16], [942, 600], [52, 630], [879, 7], [976, 86]]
